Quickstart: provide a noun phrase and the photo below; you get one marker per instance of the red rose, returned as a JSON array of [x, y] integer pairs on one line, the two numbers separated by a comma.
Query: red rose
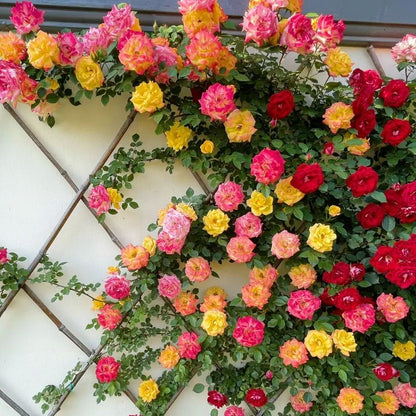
[[405, 251], [280, 105], [395, 131], [385, 371], [347, 299], [365, 81], [326, 298], [401, 202], [308, 178], [362, 102], [402, 275], [371, 216], [328, 148], [107, 369], [256, 397], [357, 272], [217, 399], [383, 259], [364, 122], [395, 93], [339, 275], [362, 182]]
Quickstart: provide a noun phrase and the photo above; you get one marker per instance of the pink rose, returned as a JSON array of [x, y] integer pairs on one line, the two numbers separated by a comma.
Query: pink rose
[[406, 394], [361, 318], [176, 224], [134, 257], [197, 269], [169, 245], [189, 346], [405, 50], [118, 21], [70, 48], [109, 317], [11, 78], [117, 286], [328, 32], [107, 369], [218, 101], [96, 39], [234, 411], [99, 199], [393, 308], [240, 249], [248, 225], [3, 256], [186, 6], [267, 166], [169, 286], [298, 34], [302, 304], [260, 23], [285, 244], [26, 17], [249, 331], [229, 196]]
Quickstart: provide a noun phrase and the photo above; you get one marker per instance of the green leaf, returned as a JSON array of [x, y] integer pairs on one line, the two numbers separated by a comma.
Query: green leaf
[[52, 98], [198, 388], [378, 196], [214, 412], [343, 375], [388, 223]]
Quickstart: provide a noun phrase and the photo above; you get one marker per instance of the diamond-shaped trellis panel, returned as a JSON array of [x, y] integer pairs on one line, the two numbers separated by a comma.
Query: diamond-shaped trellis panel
[[6, 410], [33, 353]]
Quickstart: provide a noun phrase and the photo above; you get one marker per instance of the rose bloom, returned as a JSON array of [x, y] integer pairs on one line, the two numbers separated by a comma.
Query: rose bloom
[[118, 20], [255, 295], [3, 256], [189, 346], [169, 245], [280, 105], [98, 303], [357, 271], [385, 371], [334, 211], [406, 394], [267, 166], [361, 318], [149, 243], [107, 369], [293, 352], [234, 411], [218, 101], [108, 317], [395, 93], [260, 23], [350, 400], [214, 323], [285, 244], [229, 196], [338, 116], [248, 225], [176, 224], [321, 237], [136, 52], [186, 6], [169, 286], [302, 304], [338, 62], [134, 257], [298, 402], [365, 81], [256, 397], [239, 126], [43, 51], [383, 259], [12, 47], [347, 299], [328, 149], [147, 97], [302, 276], [308, 178], [404, 351], [70, 48], [318, 343], [207, 147], [169, 357], [148, 390], [390, 404], [401, 202], [298, 35], [178, 136], [203, 50], [328, 32], [371, 216], [396, 131], [117, 286], [216, 222], [259, 204], [392, 308], [344, 341], [213, 302], [356, 149], [249, 331], [240, 249], [115, 197], [197, 269], [99, 199], [266, 276], [26, 17], [364, 123], [363, 181], [187, 210], [405, 50], [185, 303], [89, 73], [217, 399], [197, 20], [286, 193], [215, 290]]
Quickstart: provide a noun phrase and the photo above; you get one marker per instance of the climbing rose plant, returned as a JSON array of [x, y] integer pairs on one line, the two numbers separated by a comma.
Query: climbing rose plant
[[313, 189]]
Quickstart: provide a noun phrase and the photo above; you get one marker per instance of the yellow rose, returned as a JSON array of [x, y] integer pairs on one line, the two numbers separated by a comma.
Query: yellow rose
[[357, 149], [12, 47], [43, 51], [196, 20], [89, 73], [287, 193], [321, 237], [404, 351], [149, 243], [115, 197], [207, 147], [215, 290], [344, 341], [338, 116], [178, 136], [334, 210], [147, 97], [148, 390], [239, 126], [113, 269], [214, 322], [318, 343], [216, 222], [187, 210], [338, 62], [98, 303], [259, 204], [169, 357]]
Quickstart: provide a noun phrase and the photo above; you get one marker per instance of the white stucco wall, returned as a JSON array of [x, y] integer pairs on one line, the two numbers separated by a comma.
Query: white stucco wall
[[34, 196]]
